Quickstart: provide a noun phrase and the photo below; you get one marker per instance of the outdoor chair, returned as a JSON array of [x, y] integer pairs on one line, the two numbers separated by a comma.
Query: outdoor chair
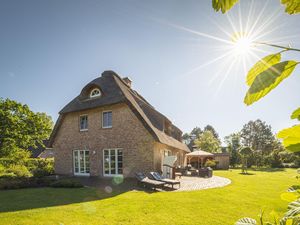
[[147, 182], [158, 177]]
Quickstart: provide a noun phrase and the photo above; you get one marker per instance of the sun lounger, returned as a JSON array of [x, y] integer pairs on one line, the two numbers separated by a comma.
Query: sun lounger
[[144, 180], [158, 177]]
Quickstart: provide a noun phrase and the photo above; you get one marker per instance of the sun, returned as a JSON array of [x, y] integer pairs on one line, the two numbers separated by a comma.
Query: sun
[[242, 44]]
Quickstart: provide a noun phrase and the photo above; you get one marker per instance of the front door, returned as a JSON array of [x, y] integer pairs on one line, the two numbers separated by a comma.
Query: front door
[[81, 162]]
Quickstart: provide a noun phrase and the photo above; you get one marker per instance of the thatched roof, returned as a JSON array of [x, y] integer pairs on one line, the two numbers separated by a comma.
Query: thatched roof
[[114, 90]]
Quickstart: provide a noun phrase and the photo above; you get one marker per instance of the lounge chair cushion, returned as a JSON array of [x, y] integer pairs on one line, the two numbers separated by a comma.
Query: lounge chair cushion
[[158, 177], [144, 179]]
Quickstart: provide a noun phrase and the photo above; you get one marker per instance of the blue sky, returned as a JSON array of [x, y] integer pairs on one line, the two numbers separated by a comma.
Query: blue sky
[[50, 49]]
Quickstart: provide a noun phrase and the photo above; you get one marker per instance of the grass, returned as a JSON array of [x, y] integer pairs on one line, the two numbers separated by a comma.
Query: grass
[[246, 196]]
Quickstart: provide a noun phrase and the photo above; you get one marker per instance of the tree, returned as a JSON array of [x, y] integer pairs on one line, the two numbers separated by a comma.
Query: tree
[[245, 153], [233, 142], [186, 138], [259, 137], [189, 138], [20, 128], [212, 130], [207, 142], [196, 132]]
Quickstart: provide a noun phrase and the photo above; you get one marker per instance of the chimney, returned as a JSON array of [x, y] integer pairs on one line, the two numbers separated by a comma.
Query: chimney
[[127, 81]]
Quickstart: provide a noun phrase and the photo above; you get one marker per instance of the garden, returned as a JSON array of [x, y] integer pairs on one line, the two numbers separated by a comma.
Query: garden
[[246, 196]]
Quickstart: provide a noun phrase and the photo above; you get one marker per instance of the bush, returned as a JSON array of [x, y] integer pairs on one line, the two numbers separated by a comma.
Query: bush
[[67, 183], [22, 182], [7, 175], [210, 163], [29, 167], [40, 167], [2, 169], [19, 170], [31, 182], [6, 162]]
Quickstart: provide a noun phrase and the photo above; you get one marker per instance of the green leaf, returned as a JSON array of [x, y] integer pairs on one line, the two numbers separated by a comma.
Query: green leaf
[[290, 221], [288, 196], [291, 138], [224, 5], [261, 66], [268, 80], [246, 221], [291, 6], [296, 114], [294, 209]]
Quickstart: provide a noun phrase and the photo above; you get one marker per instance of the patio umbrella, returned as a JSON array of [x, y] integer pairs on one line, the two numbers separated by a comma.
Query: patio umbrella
[[200, 155]]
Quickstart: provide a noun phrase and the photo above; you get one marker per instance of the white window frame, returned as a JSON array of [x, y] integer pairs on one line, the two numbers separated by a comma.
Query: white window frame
[[116, 162], [81, 174], [86, 129], [94, 96], [103, 118]]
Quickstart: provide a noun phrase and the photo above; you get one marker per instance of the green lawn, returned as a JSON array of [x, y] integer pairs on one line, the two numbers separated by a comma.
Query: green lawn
[[220, 206]]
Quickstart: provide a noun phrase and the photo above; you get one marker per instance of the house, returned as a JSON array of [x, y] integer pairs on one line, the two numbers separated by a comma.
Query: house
[[41, 151], [109, 129]]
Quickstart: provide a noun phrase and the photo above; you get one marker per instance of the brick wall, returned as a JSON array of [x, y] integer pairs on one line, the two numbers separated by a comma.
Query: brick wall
[[127, 133]]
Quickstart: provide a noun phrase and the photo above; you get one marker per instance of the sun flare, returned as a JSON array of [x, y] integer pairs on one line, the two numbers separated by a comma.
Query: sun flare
[[242, 44]]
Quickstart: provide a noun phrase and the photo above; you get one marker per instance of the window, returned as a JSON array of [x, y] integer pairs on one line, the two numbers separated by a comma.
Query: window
[[167, 153], [107, 119], [113, 162], [95, 93], [83, 122], [81, 162]]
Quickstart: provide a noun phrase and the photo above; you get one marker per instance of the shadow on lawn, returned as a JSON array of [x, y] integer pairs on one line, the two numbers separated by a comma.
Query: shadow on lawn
[[32, 198], [247, 174], [268, 169]]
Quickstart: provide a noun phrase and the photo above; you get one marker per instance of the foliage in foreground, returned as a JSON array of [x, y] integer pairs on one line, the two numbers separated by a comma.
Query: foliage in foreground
[[262, 78], [291, 6]]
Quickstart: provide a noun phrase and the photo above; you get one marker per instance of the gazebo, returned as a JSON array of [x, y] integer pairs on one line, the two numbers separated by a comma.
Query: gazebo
[[199, 156]]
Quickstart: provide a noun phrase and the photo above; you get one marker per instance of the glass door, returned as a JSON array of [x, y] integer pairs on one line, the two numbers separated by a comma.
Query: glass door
[[81, 162], [113, 162]]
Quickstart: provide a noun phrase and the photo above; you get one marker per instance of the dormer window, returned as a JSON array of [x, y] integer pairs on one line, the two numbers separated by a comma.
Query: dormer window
[[95, 93]]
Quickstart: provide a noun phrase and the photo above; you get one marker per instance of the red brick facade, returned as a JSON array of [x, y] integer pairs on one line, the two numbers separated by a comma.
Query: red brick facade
[[140, 150]]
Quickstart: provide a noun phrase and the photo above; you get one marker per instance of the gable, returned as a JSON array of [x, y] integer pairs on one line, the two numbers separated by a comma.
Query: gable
[[115, 90]]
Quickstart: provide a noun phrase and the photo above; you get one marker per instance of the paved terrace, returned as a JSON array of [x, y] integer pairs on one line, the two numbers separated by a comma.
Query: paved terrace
[[118, 185]]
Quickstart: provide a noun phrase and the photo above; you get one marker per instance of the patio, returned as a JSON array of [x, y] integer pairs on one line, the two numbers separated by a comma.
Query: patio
[[188, 183], [197, 183]]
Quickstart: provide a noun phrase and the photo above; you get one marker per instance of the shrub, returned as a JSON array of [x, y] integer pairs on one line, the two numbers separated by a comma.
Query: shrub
[[6, 162], [67, 183], [19, 170], [2, 169], [7, 175], [40, 167], [25, 182], [210, 163]]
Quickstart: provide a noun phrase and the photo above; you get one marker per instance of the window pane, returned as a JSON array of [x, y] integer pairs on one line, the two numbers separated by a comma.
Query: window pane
[[81, 162], [106, 162], [107, 119], [120, 162], [76, 163], [113, 161], [83, 122], [87, 161]]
